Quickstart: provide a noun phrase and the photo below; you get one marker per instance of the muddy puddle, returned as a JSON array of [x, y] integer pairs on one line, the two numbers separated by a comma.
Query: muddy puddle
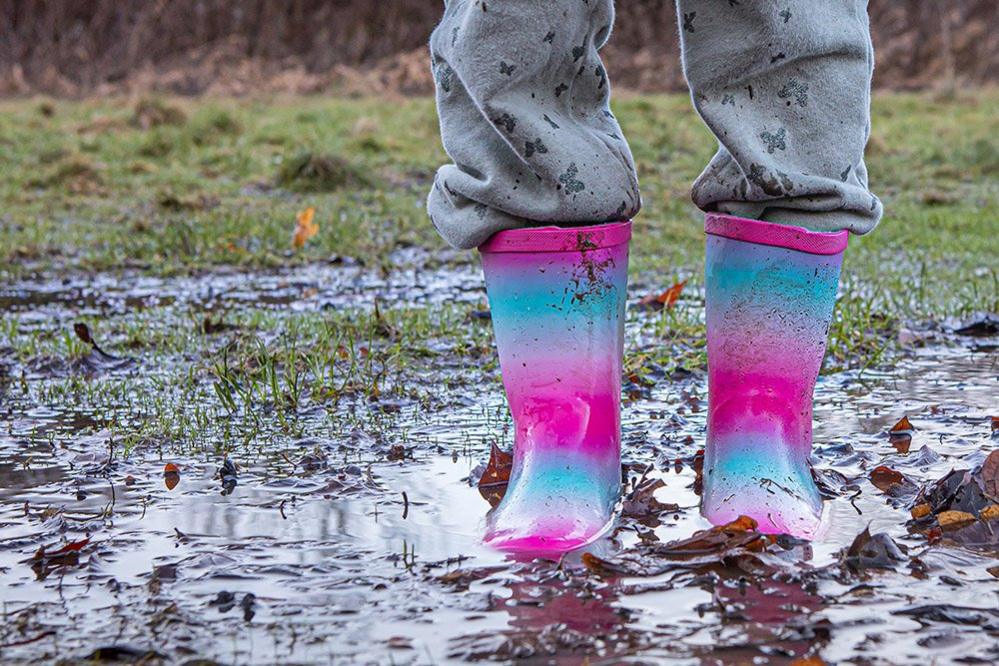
[[356, 540]]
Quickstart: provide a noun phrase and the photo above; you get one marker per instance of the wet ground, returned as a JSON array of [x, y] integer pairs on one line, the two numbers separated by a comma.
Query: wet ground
[[347, 530]]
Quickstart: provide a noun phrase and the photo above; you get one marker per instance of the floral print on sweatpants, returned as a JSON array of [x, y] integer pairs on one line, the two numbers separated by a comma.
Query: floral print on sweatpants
[[523, 100]]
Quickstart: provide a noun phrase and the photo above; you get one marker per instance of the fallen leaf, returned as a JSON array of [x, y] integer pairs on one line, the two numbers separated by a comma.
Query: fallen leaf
[[492, 484], [83, 333], [980, 329], [43, 561], [995, 424], [98, 359], [666, 299], [227, 475], [991, 512], [954, 518], [808, 661], [872, 552], [171, 476], [920, 510], [989, 476], [601, 567], [740, 533], [305, 227], [884, 478], [903, 425], [641, 503], [950, 614], [959, 490]]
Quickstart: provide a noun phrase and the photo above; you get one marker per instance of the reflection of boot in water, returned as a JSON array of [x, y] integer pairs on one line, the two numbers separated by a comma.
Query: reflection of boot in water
[[552, 622], [763, 613], [557, 300], [770, 291]]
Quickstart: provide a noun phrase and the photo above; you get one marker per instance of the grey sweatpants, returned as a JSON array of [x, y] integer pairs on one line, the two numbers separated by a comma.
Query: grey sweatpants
[[523, 103]]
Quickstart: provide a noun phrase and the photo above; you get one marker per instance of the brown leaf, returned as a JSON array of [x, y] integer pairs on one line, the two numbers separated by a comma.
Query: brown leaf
[[171, 476], [740, 533], [808, 661], [43, 561], [83, 332], [990, 476], [991, 512], [903, 426], [71, 547], [305, 228], [666, 299], [920, 510], [954, 518], [995, 424], [641, 503], [884, 478], [492, 485], [876, 551]]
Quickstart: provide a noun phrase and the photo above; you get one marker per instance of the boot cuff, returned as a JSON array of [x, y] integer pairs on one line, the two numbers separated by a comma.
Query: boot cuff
[[559, 239], [776, 235]]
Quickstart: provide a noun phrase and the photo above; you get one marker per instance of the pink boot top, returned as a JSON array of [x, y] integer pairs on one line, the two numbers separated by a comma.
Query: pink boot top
[[557, 298], [770, 291]]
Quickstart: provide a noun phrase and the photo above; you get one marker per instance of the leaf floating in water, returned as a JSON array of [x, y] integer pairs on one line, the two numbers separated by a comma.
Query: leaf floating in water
[[492, 485], [171, 476], [884, 478], [98, 359], [740, 533], [665, 300], [903, 426], [872, 552], [305, 228], [83, 333], [954, 518], [43, 561], [990, 475], [808, 661], [641, 503], [900, 435]]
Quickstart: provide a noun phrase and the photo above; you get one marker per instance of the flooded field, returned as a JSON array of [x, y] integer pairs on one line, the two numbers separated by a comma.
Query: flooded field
[[281, 468]]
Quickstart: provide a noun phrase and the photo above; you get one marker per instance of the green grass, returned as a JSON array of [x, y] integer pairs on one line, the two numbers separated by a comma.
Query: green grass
[[178, 186]]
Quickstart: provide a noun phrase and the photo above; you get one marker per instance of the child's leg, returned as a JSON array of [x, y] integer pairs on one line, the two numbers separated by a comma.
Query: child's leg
[[523, 103], [785, 87]]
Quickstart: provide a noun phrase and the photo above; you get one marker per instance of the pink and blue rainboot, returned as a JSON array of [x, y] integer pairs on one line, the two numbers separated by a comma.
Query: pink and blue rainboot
[[770, 291], [557, 298]]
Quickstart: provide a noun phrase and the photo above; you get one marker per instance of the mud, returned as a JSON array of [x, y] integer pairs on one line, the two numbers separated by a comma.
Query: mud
[[354, 538]]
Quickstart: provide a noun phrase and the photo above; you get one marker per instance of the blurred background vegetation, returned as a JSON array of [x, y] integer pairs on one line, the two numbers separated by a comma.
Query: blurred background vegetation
[[60, 47]]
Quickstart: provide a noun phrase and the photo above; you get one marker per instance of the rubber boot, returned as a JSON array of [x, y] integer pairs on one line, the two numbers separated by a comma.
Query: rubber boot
[[557, 298], [770, 291]]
